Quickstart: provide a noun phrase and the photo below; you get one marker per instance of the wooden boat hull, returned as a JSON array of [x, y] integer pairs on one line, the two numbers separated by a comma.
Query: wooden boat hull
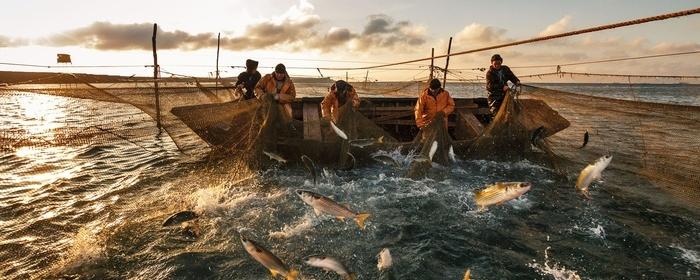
[[219, 128]]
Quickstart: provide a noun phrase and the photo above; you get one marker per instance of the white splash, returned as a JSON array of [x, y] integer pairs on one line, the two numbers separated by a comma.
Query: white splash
[[690, 256], [598, 231], [301, 226], [556, 271]]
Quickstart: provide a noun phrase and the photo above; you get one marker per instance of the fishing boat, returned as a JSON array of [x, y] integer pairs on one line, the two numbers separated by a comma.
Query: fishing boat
[[394, 115]]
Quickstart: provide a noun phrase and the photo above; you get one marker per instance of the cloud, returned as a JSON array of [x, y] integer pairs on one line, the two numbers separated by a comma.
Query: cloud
[[560, 26], [109, 36], [7, 42], [335, 37], [294, 30], [478, 34], [381, 32]]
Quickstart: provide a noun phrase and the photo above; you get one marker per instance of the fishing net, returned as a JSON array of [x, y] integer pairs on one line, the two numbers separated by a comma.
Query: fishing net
[[109, 128], [657, 141], [356, 126], [434, 134]]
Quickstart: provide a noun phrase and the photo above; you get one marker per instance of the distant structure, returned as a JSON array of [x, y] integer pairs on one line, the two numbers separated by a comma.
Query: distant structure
[[63, 58]]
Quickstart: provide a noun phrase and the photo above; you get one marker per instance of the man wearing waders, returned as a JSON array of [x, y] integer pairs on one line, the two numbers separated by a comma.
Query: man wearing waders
[[497, 82]]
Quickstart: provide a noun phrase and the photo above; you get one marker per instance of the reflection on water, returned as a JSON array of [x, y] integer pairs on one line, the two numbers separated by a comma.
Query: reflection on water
[[39, 114]]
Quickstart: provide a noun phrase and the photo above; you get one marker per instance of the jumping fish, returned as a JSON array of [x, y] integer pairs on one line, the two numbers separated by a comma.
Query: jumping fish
[[337, 130], [310, 166], [325, 205], [274, 156], [385, 159], [468, 274], [433, 149], [330, 264], [268, 260], [585, 140], [500, 192], [591, 173], [385, 262], [180, 217], [452, 155], [361, 143], [352, 166]]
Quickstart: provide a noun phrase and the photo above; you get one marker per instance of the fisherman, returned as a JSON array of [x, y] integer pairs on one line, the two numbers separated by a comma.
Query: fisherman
[[497, 82], [338, 94], [280, 85], [248, 79], [433, 101]]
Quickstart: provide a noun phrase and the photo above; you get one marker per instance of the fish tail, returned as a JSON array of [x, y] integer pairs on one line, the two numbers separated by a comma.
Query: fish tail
[[292, 275], [467, 275], [351, 276], [360, 219], [380, 140]]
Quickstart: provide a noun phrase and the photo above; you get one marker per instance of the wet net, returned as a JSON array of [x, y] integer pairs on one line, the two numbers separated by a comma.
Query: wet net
[[657, 141]]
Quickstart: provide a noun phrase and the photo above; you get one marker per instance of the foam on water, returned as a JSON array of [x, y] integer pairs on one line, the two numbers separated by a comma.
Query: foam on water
[[555, 270], [689, 256], [308, 221]]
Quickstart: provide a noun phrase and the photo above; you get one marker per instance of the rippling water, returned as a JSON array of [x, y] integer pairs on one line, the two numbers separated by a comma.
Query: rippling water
[[94, 212]]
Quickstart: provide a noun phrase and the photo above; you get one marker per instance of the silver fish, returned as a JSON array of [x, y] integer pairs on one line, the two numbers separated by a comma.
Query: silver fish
[[433, 149], [330, 264], [386, 160], [339, 132], [499, 193], [384, 259], [180, 217], [274, 156], [310, 166], [361, 143], [452, 155], [591, 173], [325, 205], [268, 260]]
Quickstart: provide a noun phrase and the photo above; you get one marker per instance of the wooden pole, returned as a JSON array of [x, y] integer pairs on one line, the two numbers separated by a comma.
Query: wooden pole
[[447, 63], [346, 76], [218, 43], [156, 70], [366, 76], [432, 63]]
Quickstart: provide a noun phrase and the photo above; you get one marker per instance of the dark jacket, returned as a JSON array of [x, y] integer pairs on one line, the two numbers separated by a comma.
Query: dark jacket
[[249, 81], [496, 79]]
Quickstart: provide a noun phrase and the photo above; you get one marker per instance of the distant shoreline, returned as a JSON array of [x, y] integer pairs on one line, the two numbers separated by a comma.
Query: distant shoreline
[[13, 77]]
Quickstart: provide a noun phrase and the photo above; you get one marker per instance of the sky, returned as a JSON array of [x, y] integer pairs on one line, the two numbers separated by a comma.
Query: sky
[[308, 34]]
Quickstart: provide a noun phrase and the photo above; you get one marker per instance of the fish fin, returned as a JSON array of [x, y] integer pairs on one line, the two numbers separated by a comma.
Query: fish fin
[[292, 275], [274, 273], [467, 275], [351, 276], [586, 194], [380, 140], [360, 219], [317, 212], [340, 218]]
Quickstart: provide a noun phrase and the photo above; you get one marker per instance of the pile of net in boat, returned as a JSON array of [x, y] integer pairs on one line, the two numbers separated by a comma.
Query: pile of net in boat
[[434, 145]]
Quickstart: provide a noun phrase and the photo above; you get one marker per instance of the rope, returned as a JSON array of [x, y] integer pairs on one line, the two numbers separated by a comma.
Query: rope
[[608, 60], [612, 75], [536, 39]]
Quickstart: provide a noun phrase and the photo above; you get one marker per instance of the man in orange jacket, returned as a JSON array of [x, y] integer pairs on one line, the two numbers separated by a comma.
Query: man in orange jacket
[[280, 85], [433, 100], [338, 94]]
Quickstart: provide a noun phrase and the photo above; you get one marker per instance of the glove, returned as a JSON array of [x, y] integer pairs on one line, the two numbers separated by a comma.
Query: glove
[[277, 97], [506, 88]]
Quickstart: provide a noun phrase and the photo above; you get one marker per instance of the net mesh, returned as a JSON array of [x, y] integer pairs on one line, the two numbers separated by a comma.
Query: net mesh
[[658, 141]]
